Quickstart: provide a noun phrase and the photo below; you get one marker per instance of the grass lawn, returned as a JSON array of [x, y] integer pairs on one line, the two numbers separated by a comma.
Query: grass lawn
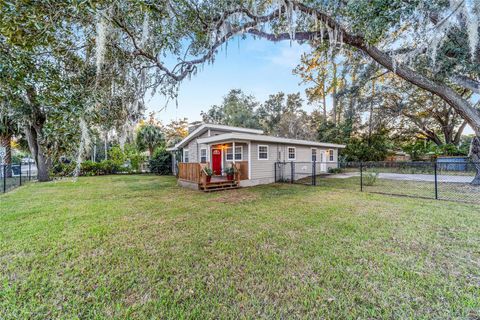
[[141, 247], [463, 192]]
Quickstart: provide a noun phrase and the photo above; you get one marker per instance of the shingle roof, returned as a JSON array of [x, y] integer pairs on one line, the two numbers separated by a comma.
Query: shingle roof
[[264, 138]]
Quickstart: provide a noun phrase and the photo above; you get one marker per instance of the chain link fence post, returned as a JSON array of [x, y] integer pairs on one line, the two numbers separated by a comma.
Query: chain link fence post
[[314, 173], [292, 171], [436, 179], [361, 176], [275, 171], [4, 178]]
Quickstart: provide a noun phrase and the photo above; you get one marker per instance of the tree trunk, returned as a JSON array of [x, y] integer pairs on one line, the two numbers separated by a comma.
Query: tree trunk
[[458, 135], [475, 156], [42, 160], [150, 151], [34, 135], [106, 145], [5, 141], [324, 102]]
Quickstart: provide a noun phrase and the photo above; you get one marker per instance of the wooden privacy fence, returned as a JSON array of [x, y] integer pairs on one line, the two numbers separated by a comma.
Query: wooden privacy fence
[[189, 171], [242, 168]]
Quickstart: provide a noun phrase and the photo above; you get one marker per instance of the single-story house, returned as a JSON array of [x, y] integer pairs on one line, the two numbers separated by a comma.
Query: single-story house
[[251, 152]]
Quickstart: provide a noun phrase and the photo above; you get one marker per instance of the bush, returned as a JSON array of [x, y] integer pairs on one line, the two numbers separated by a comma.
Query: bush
[[134, 157], [116, 154], [112, 167], [161, 162], [90, 168], [335, 170], [62, 169], [370, 178]]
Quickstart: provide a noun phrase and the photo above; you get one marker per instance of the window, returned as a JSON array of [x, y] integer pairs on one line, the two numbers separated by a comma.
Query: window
[[238, 153], [314, 154], [185, 155], [330, 152], [291, 153], [262, 152], [203, 155]]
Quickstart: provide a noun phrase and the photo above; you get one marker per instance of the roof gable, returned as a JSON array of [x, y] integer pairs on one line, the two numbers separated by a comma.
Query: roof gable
[[205, 127]]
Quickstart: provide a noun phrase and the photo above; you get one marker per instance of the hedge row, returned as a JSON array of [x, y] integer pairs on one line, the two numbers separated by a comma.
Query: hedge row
[[91, 168]]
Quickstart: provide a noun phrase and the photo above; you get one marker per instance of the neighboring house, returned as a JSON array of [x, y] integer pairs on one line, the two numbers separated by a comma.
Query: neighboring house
[[249, 150], [398, 156]]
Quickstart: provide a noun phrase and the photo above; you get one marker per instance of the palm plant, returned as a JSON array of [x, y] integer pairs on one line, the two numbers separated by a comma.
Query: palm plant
[[149, 137]]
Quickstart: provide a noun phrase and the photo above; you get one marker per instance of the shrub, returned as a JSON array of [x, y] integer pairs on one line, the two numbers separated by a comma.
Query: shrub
[[112, 167], [134, 157], [63, 169], [161, 162], [116, 164], [116, 154], [335, 170], [370, 178], [89, 168]]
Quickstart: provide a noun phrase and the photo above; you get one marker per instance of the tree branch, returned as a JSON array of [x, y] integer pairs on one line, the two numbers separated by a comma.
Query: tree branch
[[467, 83]]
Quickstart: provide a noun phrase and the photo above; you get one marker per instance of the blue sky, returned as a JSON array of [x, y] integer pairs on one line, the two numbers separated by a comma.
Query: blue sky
[[258, 67]]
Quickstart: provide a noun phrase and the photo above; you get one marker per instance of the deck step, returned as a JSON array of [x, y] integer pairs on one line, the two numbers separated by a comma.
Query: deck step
[[221, 189], [219, 185], [215, 183]]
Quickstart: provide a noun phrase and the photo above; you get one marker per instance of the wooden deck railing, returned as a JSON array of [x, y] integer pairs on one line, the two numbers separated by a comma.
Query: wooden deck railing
[[192, 171], [189, 171], [242, 168]]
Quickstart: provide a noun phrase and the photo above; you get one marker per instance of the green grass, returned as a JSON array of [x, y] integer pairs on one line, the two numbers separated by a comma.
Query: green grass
[[463, 192], [11, 183], [141, 247]]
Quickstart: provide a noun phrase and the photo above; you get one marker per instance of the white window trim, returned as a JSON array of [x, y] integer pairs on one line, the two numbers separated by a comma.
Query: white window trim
[[316, 154], [258, 151], [233, 154], [206, 155], [294, 151], [184, 156], [331, 154]]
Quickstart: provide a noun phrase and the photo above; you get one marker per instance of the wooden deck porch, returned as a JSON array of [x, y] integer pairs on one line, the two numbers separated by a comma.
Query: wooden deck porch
[[193, 172]]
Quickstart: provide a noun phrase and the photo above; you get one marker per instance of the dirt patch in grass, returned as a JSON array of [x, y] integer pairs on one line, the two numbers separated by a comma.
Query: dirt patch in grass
[[236, 196]]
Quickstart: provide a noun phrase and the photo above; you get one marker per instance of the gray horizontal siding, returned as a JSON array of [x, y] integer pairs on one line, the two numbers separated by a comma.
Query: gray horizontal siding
[[264, 169]]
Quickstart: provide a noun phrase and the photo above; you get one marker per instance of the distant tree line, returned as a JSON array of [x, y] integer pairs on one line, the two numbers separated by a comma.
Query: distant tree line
[[371, 125]]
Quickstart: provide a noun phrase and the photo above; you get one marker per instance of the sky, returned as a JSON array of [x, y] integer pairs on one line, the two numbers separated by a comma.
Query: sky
[[258, 67]]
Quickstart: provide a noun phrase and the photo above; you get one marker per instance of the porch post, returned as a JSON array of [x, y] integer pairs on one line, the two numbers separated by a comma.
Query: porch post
[[233, 151], [249, 161]]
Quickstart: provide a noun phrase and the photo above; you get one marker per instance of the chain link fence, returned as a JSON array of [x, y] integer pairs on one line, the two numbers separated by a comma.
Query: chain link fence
[[457, 181], [15, 175]]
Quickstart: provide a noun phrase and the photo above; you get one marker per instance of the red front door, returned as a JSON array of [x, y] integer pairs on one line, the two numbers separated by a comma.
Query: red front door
[[217, 161]]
